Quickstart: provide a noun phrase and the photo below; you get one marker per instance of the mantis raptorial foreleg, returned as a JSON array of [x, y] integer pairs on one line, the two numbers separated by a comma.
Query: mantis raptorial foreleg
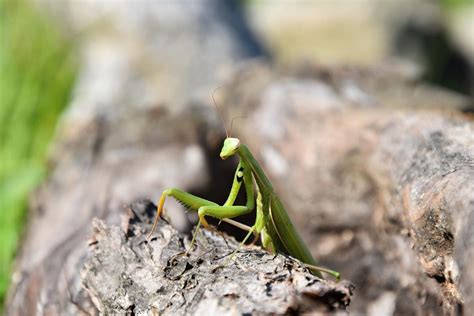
[[187, 199], [208, 208]]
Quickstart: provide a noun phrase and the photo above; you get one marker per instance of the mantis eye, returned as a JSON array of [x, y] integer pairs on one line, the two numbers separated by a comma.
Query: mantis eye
[[232, 143]]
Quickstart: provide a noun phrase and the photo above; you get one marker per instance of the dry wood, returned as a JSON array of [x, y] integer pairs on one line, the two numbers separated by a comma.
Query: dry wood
[[126, 273]]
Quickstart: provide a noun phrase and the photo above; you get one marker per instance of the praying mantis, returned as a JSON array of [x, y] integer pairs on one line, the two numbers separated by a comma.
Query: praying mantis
[[272, 223]]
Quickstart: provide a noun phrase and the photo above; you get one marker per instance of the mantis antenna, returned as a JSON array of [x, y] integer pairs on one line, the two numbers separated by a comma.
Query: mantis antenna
[[219, 112], [232, 122], [227, 133]]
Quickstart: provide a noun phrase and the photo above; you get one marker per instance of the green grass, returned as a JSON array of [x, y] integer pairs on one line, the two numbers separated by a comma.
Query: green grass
[[37, 71]]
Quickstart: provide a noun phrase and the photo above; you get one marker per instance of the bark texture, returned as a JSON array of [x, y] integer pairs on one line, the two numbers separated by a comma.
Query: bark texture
[[125, 273]]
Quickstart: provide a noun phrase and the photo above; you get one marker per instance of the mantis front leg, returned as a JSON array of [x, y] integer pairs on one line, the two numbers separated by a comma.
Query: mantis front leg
[[208, 208]]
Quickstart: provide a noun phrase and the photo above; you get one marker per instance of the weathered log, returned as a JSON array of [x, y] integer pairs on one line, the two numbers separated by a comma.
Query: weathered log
[[380, 178], [361, 189], [126, 273]]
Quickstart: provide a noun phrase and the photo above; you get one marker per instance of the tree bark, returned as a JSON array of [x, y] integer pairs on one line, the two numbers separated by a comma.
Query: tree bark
[[126, 273], [380, 178]]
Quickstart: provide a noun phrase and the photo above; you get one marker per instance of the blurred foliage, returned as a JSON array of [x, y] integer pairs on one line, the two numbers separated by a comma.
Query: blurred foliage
[[37, 72], [455, 4]]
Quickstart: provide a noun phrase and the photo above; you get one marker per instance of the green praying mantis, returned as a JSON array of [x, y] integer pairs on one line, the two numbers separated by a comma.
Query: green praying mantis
[[272, 222]]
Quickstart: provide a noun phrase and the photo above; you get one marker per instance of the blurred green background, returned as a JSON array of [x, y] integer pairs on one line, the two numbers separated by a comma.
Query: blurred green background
[[37, 73]]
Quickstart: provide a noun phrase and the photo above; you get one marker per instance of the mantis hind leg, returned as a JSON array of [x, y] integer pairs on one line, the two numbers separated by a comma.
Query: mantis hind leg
[[333, 273]]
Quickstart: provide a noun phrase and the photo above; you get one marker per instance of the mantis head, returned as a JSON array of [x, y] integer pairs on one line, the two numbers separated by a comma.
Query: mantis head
[[230, 147]]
